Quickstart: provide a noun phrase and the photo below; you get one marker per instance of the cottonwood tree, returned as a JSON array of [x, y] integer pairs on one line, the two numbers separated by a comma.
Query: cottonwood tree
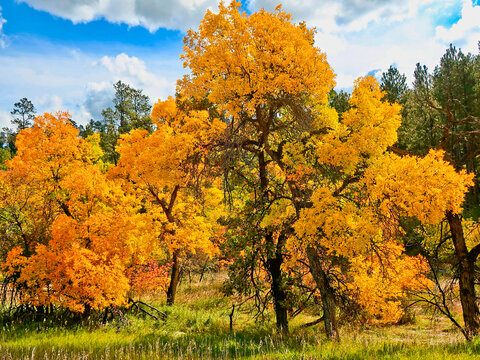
[[169, 170], [262, 72], [252, 68], [70, 232]]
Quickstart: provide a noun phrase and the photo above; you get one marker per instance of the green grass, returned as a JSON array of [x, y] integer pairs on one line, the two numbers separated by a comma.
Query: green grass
[[198, 328]]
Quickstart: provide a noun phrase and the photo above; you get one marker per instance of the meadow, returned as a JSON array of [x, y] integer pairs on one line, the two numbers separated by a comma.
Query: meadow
[[197, 327]]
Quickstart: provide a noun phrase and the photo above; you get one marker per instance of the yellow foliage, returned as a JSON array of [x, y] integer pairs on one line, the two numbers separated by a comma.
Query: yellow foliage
[[421, 187], [339, 225], [382, 278], [242, 60], [166, 168], [366, 131]]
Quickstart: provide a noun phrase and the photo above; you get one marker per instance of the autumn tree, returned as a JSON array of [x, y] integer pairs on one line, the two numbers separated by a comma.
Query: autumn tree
[[253, 68], [264, 75], [168, 170], [70, 233]]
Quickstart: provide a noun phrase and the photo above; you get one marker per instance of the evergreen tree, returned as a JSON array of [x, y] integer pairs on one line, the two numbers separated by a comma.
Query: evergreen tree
[[394, 84], [339, 101], [131, 110], [23, 114]]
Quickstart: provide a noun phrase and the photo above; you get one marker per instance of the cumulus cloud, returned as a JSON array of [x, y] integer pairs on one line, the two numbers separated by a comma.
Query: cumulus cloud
[[78, 82], [98, 96], [129, 67], [130, 70], [466, 32], [350, 15], [50, 103], [133, 71], [151, 14], [344, 15], [358, 36]]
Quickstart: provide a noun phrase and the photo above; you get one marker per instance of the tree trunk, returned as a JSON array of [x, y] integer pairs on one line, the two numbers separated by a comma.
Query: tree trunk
[[326, 291], [174, 278], [40, 312], [466, 271], [279, 294]]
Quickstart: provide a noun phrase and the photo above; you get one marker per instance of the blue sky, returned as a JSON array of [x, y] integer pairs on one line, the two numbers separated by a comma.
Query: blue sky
[[65, 55]]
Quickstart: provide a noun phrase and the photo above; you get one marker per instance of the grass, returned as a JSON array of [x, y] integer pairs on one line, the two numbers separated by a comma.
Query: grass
[[198, 328]]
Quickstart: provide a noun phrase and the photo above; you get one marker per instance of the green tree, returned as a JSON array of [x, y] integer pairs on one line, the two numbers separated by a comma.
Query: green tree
[[131, 110], [443, 112], [394, 84], [23, 114], [339, 101]]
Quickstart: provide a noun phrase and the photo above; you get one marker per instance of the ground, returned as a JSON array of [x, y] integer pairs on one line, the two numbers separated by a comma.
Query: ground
[[197, 327]]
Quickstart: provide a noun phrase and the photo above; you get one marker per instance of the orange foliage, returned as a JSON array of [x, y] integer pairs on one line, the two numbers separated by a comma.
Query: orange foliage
[[167, 169], [92, 231], [149, 278]]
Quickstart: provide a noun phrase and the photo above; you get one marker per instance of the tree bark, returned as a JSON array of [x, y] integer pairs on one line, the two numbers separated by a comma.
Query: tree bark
[[326, 291], [40, 312], [174, 278], [279, 294], [466, 272]]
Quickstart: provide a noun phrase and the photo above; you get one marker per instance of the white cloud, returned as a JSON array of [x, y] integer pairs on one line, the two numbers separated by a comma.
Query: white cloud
[[98, 96], [3, 38], [344, 15], [50, 103], [151, 14], [71, 80], [328, 15], [466, 32], [360, 36], [130, 67], [5, 119], [133, 71]]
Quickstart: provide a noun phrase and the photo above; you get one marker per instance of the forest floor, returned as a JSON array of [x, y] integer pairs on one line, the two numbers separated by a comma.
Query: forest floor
[[197, 327]]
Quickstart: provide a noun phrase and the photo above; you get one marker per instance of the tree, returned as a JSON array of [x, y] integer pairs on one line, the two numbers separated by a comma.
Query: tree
[[168, 170], [131, 110], [394, 84], [339, 101], [23, 114], [449, 100], [263, 74], [253, 68], [71, 233]]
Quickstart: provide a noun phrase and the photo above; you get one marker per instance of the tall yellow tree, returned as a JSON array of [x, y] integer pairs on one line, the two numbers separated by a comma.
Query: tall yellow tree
[[262, 72], [169, 171], [251, 69]]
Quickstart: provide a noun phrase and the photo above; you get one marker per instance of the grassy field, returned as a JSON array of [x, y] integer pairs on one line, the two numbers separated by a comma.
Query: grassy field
[[198, 328]]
